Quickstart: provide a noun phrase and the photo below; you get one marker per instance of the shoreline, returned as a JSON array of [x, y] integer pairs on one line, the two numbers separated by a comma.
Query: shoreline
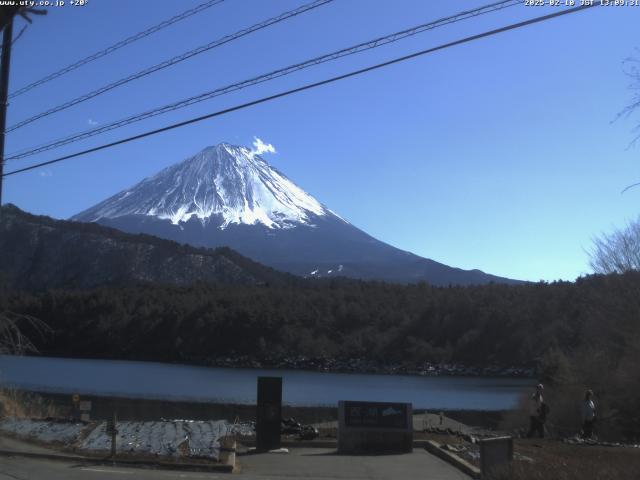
[[355, 366], [59, 405]]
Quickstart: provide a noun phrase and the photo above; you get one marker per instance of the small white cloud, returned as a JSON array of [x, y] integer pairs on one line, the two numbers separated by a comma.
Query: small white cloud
[[92, 122], [45, 173], [259, 147]]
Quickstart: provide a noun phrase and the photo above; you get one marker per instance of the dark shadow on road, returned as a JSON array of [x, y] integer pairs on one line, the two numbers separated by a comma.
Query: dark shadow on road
[[336, 454]]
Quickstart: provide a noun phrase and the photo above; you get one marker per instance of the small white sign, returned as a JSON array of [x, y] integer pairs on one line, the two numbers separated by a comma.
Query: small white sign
[[85, 406]]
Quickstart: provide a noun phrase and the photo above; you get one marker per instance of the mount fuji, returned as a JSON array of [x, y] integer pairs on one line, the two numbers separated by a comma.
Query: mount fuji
[[228, 195]]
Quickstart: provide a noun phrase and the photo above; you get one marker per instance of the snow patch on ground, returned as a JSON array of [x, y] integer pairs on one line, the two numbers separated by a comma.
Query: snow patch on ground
[[169, 438], [42, 430]]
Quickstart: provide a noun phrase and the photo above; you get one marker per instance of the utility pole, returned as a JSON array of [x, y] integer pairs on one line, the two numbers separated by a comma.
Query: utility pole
[[7, 39]]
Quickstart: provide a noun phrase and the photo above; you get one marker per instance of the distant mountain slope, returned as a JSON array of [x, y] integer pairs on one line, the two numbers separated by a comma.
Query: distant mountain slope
[[227, 195], [38, 252]]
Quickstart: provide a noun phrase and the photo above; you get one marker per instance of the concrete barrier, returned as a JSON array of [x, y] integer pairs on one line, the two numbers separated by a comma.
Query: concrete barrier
[[228, 452], [435, 448], [496, 455]]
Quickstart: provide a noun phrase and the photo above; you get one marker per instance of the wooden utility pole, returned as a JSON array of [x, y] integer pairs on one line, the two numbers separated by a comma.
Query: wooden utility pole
[[7, 39], [112, 429]]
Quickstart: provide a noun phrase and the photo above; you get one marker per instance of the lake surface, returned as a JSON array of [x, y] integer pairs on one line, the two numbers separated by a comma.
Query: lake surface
[[230, 385]]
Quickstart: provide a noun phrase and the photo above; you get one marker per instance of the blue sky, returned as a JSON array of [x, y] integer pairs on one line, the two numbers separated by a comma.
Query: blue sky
[[501, 154]]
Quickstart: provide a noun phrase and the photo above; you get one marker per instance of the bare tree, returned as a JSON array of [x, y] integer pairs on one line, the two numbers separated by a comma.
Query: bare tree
[[631, 67], [12, 339], [617, 252]]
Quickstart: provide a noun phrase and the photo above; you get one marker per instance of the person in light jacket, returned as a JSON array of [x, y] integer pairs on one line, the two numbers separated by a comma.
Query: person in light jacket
[[537, 413], [588, 414]]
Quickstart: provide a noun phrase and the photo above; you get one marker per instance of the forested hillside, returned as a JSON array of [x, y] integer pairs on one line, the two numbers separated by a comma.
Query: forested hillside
[[492, 324], [38, 252]]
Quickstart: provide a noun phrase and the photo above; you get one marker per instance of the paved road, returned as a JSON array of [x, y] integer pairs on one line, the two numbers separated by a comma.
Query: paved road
[[325, 464], [309, 464], [15, 468], [303, 463]]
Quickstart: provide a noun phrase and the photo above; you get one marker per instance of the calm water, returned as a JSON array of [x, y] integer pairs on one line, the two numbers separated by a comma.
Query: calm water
[[227, 385]]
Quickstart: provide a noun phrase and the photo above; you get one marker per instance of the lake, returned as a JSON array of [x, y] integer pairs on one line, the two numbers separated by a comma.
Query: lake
[[229, 385]]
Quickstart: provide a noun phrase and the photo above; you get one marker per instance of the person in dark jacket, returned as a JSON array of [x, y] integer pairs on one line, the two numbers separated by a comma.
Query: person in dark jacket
[[588, 414]]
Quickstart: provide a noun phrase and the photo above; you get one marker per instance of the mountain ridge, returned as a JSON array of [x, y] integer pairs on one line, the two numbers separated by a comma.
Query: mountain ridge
[[227, 195], [38, 252]]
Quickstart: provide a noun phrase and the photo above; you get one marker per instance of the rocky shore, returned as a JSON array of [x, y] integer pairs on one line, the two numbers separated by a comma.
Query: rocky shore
[[361, 365]]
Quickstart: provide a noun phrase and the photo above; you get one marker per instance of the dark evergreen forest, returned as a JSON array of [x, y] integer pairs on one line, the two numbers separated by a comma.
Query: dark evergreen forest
[[491, 324]]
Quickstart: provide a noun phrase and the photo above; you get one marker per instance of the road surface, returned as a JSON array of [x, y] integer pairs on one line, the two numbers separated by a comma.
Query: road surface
[[309, 464]]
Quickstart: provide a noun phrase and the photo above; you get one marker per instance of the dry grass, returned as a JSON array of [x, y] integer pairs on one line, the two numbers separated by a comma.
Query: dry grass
[[20, 404], [553, 460]]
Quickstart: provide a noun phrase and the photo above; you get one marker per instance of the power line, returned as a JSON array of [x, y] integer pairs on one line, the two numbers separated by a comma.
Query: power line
[[394, 37], [172, 61], [263, 78], [308, 86], [117, 46]]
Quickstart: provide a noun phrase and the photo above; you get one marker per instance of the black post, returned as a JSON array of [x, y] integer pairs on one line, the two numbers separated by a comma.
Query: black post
[[269, 414], [112, 429], [7, 39]]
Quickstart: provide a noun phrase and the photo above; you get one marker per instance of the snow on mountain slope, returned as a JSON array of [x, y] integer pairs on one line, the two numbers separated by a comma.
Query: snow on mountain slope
[[227, 183]]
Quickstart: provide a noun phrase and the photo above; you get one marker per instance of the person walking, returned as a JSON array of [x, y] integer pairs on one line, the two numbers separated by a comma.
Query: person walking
[[537, 413], [588, 415]]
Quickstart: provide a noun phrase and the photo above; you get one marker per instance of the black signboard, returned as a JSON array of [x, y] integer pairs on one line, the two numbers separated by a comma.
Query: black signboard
[[375, 415], [269, 414]]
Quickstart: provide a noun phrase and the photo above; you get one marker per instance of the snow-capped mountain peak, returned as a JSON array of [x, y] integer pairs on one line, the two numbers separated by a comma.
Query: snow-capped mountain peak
[[226, 183], [229, 196]]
